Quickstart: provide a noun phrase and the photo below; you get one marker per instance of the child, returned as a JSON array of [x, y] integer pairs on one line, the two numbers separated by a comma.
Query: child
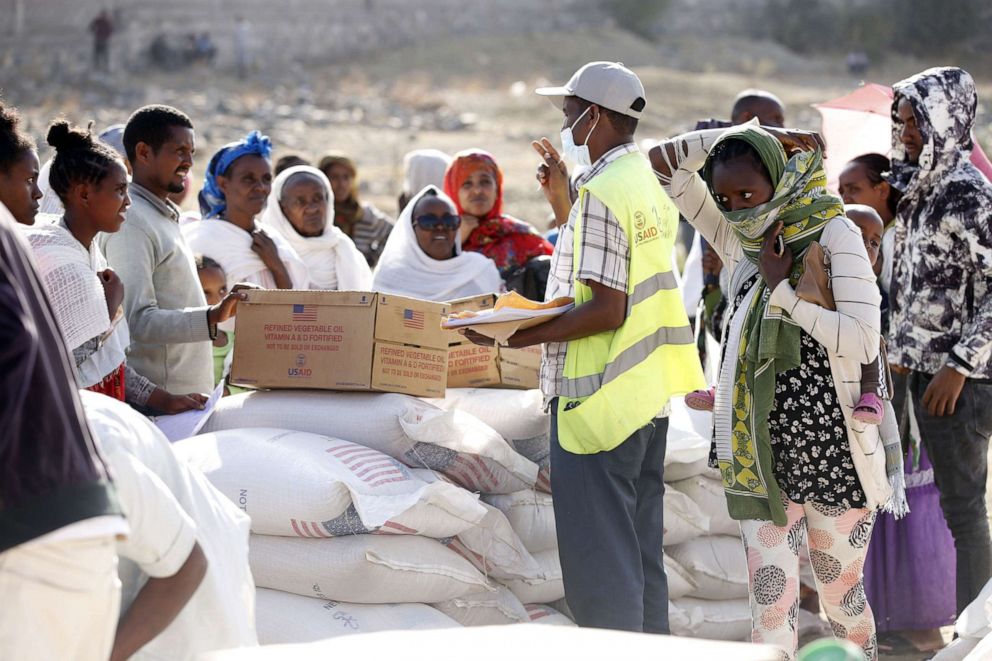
[[874, 378], [213, 280]]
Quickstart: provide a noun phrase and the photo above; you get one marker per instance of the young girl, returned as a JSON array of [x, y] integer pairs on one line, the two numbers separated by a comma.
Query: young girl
[[214, 283], [91, 181], [795, 464]]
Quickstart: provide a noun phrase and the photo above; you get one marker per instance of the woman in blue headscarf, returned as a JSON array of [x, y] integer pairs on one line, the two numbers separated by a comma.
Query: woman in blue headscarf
[[237, 185]]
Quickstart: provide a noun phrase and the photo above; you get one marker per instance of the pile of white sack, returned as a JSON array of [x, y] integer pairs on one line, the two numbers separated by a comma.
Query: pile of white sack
[[974, 630], [704, 555], [366, 512]]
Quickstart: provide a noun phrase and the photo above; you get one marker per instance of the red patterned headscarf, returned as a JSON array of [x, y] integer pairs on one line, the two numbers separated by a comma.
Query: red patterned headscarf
[[464, 165]]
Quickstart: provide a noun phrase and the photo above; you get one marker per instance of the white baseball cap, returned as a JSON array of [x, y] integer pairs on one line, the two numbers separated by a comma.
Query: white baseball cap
[[607, 84]]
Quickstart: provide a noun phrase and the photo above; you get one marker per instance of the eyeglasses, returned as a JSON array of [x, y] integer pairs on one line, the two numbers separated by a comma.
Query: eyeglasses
[[430, 222]]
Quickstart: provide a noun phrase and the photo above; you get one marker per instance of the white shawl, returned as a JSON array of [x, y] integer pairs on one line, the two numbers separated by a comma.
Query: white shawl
[[332, 260], [405, 269], [69, 272], [230, 246]]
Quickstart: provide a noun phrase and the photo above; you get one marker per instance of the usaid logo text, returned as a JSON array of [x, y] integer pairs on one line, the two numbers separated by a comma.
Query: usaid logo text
[[300, 371]]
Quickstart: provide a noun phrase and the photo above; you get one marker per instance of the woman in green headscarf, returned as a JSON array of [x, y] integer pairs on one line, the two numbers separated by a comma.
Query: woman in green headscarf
[[793, 460]]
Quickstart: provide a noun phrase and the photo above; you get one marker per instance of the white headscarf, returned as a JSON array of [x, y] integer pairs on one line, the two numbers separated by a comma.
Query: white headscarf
[[332, 260], [422, 168], [69, 272], [405, 269]]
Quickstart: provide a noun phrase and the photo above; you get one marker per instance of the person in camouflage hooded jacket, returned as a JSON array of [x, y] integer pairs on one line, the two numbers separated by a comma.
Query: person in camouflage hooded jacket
[[941, 324]]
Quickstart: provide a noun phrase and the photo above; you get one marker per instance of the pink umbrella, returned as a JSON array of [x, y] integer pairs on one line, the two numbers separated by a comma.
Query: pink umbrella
[[861, 123]]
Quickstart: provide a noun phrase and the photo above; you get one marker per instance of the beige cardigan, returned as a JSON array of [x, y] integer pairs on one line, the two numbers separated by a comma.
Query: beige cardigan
[[851, 334]]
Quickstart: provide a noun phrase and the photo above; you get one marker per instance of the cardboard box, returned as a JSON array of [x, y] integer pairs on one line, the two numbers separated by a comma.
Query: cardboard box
[[520, 368], [474, 366], [340, 341]]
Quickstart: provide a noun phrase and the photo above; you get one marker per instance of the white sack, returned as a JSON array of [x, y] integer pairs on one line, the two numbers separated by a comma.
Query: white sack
[[543, 589], [288, 618], [958, 650], [367, 569], [309, 485], [680, 581], [485, 608], [516, 415], [544, 614], [712, 620], [403, 427], [709, 495], [532, 516], [684, 520], [717, 564], [975, 619], [490, 544]]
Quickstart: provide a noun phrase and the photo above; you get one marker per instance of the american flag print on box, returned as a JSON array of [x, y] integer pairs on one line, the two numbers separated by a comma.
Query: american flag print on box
[[304, 312], [413, 319]]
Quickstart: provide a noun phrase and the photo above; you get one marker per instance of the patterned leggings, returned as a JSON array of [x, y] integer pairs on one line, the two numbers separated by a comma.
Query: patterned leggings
[[838, 545]]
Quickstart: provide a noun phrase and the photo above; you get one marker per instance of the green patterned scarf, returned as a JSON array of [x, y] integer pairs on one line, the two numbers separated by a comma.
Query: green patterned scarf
[[770, 341]]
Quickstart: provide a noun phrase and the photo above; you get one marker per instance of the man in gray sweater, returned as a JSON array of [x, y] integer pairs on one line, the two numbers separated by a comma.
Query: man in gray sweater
[[170, 322]]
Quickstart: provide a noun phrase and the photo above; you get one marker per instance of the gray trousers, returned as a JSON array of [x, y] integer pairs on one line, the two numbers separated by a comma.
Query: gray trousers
[[609, 518]]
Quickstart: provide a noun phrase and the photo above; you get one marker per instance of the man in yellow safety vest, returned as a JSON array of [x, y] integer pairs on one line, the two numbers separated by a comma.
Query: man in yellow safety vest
[[613, 362]]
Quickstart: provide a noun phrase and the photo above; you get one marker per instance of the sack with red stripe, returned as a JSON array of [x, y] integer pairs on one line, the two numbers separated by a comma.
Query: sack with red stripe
[[416, 433], [544, 614], [516, 415], [307, 485], [366, 569]]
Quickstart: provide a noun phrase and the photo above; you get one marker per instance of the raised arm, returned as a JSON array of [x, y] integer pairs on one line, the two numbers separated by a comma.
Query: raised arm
[[677, 162]]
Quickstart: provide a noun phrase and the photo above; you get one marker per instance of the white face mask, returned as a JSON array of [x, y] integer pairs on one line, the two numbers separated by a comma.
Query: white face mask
[[578, 154]]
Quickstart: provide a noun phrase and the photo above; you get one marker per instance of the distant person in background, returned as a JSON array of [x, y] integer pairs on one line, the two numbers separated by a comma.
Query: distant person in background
[[170, 323], [242, 46], [235, 190], [422, 168], [102, 28], [59, 514], [475, 182], [286, 162], [301, 212], [361, 221], [19, 169], [423, 257], [941, 326], [857, 63]]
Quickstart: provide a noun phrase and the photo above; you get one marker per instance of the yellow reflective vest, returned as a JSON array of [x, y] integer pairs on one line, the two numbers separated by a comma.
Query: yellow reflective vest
[[616, 382]]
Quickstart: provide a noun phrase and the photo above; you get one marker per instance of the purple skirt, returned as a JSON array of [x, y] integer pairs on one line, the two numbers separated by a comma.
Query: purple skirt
[[909, 573]]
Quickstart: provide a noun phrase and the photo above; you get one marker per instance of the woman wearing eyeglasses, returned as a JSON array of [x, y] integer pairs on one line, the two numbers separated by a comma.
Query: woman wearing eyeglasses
[[424, 259]]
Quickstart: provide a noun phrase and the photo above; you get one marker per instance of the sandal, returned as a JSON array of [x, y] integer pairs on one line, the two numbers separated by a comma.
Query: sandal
[[701, 400], [869, 409]]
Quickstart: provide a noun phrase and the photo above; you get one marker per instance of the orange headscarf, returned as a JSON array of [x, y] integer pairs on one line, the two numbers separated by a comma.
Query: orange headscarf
[[464, 165]]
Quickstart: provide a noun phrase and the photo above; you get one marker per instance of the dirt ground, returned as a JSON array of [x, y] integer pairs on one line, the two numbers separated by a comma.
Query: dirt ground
[[451, 95]]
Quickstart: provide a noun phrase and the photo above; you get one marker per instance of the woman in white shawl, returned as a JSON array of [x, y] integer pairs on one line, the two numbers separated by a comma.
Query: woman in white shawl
[[236, 187], [300, 211], [423, 258]]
